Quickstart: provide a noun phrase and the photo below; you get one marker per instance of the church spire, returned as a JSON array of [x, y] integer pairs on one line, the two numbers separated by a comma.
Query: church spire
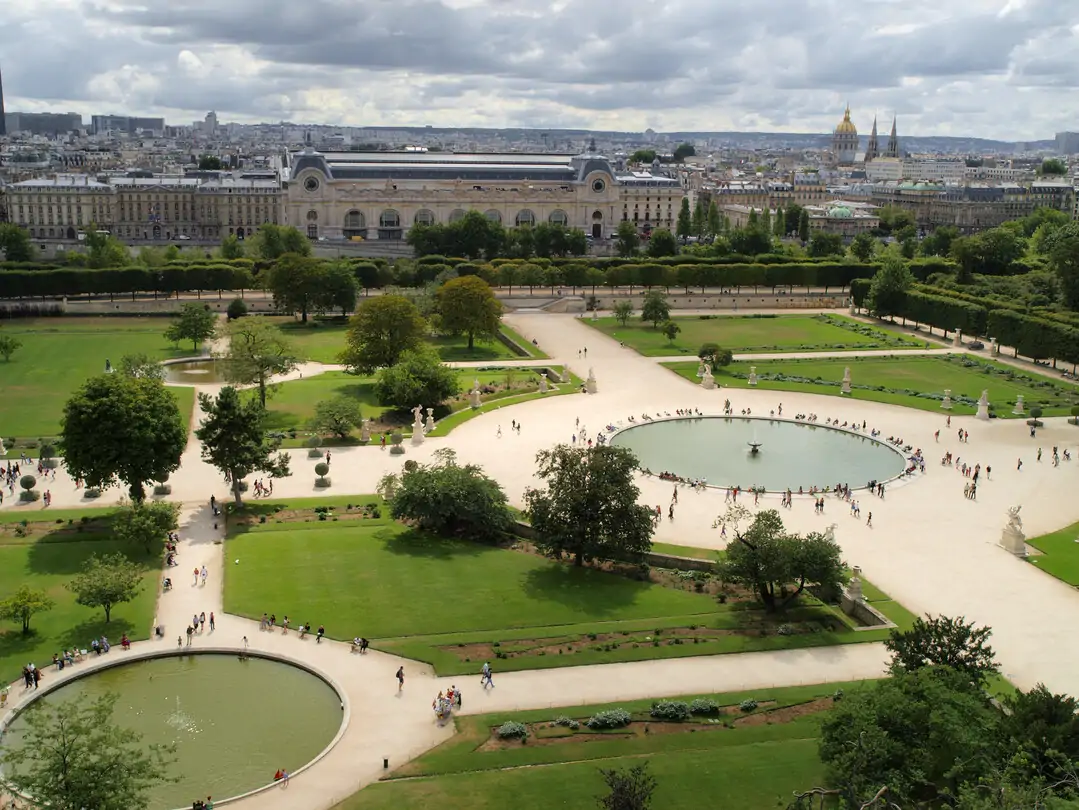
[[893, 142], [872, 148]]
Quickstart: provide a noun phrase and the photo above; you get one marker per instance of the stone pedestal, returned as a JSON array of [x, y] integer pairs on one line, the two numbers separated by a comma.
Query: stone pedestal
[[854, 587], [590, 385], [1013, 541], [417, 425], [595, 315], [983, 407], [946, 403], [845, 388], [474, 395], [752, 375], [1018, 409], [565, 375], [430, 425], [958, 339], [994, 348], [708, 382], [365, 430], [543, 383]]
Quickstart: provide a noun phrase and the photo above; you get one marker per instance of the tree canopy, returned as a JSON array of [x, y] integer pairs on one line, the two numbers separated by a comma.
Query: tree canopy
[[298, 284], [257, 350], [15, 243], [467, 305], [626, 238], [195, 323], [684, 150], [381, 330], [146, 524], [337, 415], [105, 581], [662, 243], [417, 378], [943, 641], [273, 241], [888, 289], [22, 605], [655, 309]]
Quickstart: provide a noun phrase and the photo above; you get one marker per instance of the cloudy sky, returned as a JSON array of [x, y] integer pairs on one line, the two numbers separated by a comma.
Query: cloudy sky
[[994, 68]]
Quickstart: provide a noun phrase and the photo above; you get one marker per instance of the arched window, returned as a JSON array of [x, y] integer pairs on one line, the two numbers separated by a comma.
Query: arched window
[[389, 219], [558, 217], [355, 224], [457, 214], [312, 216], [525, 218], [424, 217], [493, 215], [597, 216]]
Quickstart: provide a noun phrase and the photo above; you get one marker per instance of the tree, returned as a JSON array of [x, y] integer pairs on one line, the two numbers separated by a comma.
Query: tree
[[297, 283], [15, 243], [257, 350], [447, 498], [671, 330], [104, 250], [779, 226], [338, 289], [697, 223], [9, 344], [923, 734], [643, 156], [943, 642], [939, 242], [589, 507], [271, 242], [234, 439], [417, 378], [468, 305], [73, 756], [23, 604], [380, 331], [888, 289], [141, 366], [662, 243], [107, 580], [338, 415], [232, 247], [195, 323], [715, 222], [1053, 166], [209, 163], [120, 428], [862, 247], [145, 524], [682, 151], [626, 238], [630, 789], [768, 559], [823, 244], [1042, 726], [623, 311], [685, 225], [655, 308], [715, 356], [1062, 247], [803, 226], [237, 309]]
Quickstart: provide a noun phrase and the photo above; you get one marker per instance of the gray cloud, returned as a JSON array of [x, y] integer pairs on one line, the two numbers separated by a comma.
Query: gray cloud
[[998, 68]]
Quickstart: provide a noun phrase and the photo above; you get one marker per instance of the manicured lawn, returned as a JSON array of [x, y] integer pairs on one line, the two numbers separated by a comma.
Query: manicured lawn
[[1060, 554], [916, 382], [743, 766], [749, 333], [432, 599], [47, 559], [57, 356]]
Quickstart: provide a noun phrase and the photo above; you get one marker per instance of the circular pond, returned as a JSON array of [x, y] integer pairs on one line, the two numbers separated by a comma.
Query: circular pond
[[791, 454], [233, 722], [194, 372]]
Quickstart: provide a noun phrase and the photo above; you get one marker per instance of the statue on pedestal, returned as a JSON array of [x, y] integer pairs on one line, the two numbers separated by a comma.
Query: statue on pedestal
[[1012, 539], [946, 403], [1018, 410], [707, 380], [365, 430], [958, 339], [417, 425], [430, 420], [854, 587], [752, 375], [590, 383], [994, 348], [565, 374], [474, 394], [543, 383], [845, 389], [983, 407]]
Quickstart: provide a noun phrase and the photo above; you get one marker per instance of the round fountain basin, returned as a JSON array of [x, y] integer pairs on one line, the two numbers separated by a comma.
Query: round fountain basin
[[195, 372], [234, 723], [788, 455]]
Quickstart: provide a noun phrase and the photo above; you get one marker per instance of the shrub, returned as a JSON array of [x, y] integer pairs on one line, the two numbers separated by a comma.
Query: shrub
[[411, 465], [162, 489], [321, 469], [237, 309], [29, 496], [614, 718], [748, 705], [314, 441], [837, 695], [27, 482], [568, 722], [704, 706], [670, 710], [512, 730]]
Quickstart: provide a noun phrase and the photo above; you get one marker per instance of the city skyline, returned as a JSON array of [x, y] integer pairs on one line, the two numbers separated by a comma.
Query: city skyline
[[997, 69]]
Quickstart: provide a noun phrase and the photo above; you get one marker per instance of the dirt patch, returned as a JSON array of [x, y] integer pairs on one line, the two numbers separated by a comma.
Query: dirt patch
[[785, 714], [358, 512]]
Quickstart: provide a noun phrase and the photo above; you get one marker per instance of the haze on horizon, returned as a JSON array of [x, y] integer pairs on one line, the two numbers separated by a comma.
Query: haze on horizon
[[1003, 69]]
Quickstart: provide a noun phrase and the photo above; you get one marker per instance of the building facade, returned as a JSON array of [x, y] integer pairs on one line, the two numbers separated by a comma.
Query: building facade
[[380, 195], [845, 141], [59, 207]]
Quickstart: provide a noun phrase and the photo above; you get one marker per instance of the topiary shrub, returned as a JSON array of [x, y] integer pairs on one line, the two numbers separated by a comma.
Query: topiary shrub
[[670, 710], [512, 730], [748, 705], [1035, 414], [162, 489], [1075, 414], [614, 718], [411, 465], [47, 454], [320, 470], [237, 309], [396, 438], [29, 495], [704, 706], [28, 482]]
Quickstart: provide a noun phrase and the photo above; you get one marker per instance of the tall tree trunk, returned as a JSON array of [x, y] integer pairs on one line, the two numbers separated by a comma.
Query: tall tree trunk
[[137, 492], [108, 612], [470, 340], [262, 389], [236, 491]]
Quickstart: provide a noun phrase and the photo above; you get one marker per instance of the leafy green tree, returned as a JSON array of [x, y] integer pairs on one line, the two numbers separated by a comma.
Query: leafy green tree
[[699, 221], [23, 604], [234, 440], [237, 309], [271, 242], [894, 219], [9, 344], [655, 308], [380, 331], [141, 366], [685, 223], [1063, 251], [338, 415], [257, 350], [779, 227], [120, 428], [146, 524], [73, 756], [467, 305], [888, 289], [823, 244], [682, 151], [770, 560], [1053, 166], [629, 789], [643, 156], [417, 378], [792, 216], [862, 247], [232, 248], [339, 289], [626, 238], [209, 163], [15, 243], [623, 311], [803, 226], [105, 250], [715, 222], [297, 283], [1044, 727], [671, 330], [576, 242], [532, 275], [715, 356], [589, 508], [448, 498], [923, 734], [1000, 248], [939, 242], [1043, 216], [766, 220], [751, 240], [107, 580], [943, 642], [195, 323], [662, 243]]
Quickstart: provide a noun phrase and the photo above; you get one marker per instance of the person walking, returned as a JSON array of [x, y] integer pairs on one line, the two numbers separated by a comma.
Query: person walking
[[205, 573], [869, 521], [211, 621], [196, 572], [321, 633], [485, 676], [202, 621], [400, 678]]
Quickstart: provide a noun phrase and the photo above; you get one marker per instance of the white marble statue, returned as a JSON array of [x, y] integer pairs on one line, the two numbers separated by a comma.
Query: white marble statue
[[1014, 521], [946, 403], [1012, 539], [590, 384], [474, 394], [983, 407], [543, 383], [365, 430], [1018, 410], [707, 380], [845, 389], [417, 425], [829, 533], [430, 420], [752, 375]]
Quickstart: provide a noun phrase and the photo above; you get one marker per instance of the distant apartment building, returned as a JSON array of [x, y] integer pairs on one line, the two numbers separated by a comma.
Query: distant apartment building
[[126, 124], [848, 219], [1068, 143], [884, 169], [972, 207], [51, 124]]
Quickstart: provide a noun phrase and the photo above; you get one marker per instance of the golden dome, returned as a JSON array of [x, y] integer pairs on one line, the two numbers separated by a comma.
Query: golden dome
[[845, 126]]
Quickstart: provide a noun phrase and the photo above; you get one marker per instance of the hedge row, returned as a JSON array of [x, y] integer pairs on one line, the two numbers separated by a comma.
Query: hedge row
[[1069, 318], [122, 280]]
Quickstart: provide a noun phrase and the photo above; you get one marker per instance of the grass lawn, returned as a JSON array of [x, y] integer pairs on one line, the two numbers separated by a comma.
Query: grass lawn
[[58, 354], [430, 599], [916, 382], [749, 333], [323, 339], [1060, 554], [47, 558], [741, 761]]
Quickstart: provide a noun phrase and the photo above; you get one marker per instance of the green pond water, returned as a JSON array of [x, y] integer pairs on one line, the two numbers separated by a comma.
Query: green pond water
[[195, 372], [234, 723]]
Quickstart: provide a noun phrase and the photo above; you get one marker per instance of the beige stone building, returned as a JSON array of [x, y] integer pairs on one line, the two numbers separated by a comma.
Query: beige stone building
[[59, 207], [380, 195]]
